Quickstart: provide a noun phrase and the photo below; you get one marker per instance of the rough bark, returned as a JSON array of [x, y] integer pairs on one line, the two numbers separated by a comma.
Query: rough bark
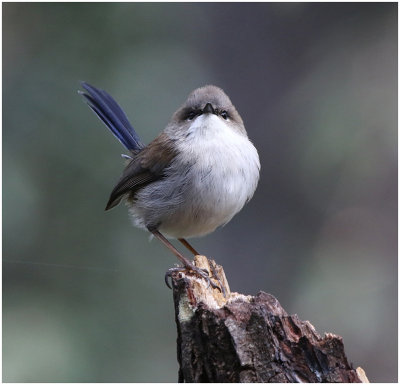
[[241, 338]]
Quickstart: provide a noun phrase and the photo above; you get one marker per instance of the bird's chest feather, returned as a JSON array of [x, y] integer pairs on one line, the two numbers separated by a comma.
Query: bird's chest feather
[[224, 169]]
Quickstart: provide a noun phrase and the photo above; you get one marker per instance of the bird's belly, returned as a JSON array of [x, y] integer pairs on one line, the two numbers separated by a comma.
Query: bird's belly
[[207, 205]]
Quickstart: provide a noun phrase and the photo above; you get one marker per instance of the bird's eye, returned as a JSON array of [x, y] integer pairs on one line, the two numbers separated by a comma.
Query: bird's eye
[[224, 114], [191, 115]]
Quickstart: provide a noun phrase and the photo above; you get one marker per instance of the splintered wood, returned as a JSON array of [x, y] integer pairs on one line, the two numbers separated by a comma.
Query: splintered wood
[[239, 338]]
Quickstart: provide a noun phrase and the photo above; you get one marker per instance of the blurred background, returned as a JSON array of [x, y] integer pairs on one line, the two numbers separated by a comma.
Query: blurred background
[[84, 298]]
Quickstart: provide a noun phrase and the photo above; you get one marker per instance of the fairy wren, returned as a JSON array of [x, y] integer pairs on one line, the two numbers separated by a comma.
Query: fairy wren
[[193, 177]]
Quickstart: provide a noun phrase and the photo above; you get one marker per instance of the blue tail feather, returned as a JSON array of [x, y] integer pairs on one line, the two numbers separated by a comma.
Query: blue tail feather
[[108, 110]]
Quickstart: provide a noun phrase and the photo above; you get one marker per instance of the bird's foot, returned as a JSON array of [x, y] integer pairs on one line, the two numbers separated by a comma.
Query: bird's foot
[[191, 269], [217, 278]]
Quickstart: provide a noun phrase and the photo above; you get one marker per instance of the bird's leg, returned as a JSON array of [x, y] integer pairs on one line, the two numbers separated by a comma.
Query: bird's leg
[[214, 272], [187, 265], [188, 246], [172, 248]]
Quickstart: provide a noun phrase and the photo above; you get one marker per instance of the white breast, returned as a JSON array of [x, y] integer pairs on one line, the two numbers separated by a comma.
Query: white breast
[[223, 177]]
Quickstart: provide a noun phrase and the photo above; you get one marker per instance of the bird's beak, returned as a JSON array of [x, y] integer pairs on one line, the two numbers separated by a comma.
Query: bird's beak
[[208, 109]]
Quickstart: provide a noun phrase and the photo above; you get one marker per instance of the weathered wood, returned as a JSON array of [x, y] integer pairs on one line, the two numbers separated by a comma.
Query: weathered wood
[[249, 339]]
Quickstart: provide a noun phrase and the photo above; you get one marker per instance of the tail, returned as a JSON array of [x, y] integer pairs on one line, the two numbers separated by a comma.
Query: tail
[[108, 110]]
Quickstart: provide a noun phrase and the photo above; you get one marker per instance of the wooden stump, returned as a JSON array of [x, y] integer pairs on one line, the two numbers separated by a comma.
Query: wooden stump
[[249, 338]]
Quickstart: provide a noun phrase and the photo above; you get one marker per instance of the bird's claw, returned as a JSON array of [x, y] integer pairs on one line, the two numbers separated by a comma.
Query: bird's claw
[[169, 272], [202, 273]]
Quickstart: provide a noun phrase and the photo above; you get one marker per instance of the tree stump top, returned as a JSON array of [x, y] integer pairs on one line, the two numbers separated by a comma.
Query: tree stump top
[[243, 338]]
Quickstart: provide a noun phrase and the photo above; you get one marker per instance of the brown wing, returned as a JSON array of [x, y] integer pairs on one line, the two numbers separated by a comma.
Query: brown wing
[[146, 166]]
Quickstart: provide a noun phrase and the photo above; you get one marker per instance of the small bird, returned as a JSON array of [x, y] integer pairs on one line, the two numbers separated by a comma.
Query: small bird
[[192, 178]]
